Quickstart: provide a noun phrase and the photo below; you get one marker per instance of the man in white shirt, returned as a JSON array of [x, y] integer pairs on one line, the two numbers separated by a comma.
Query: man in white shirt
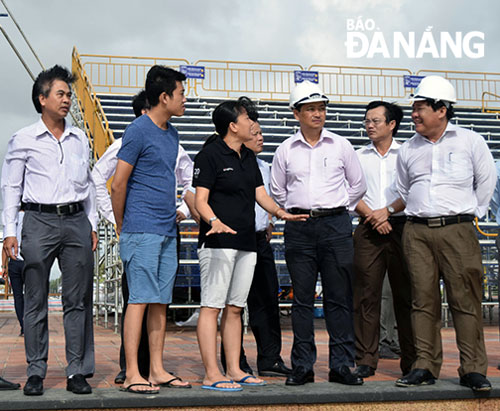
[[103, 170], [377, 242], [47, 168], [317, 172], [446, 177]]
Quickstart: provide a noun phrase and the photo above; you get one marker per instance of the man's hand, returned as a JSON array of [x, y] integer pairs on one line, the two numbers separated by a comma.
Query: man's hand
[[292, 217], [218, 227], [269, 232], [384, 228], [179, 216], [94, 240], [10, 246], [377, 217]]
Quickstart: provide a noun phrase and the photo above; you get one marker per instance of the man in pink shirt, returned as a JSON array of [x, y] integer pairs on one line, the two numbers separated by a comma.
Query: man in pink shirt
[[317, 172]]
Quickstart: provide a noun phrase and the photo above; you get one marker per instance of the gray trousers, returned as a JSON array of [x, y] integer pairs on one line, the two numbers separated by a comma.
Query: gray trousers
[[45, 237]]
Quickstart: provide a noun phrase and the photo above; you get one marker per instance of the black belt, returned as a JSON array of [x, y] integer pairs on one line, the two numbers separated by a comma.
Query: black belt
[[318, 212], [434, 222], [59, 209]]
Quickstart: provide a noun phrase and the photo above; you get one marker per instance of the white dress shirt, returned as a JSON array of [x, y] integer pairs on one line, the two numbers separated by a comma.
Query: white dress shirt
[[105, 168], [40, 169], [261, 215], [455, 175], [380, 175], [326, 175]]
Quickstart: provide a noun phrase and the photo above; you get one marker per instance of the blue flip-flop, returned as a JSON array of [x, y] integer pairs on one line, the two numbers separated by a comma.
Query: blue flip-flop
[[256, 384], [215, 387]]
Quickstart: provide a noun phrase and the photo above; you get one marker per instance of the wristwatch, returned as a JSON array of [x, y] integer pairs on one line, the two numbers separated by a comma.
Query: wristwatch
[[391, 209], [211, 220]]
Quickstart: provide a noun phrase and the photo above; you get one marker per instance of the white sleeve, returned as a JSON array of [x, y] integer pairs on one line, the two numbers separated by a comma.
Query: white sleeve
[[278, 177], [103, 170], [184, 170], [485, 175], [12, 183]]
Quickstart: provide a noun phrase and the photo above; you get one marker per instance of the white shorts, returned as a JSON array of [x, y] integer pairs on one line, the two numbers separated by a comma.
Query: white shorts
[[225, 276]]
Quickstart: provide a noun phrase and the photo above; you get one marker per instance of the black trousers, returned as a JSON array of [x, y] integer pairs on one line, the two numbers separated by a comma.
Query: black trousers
[[321, 245], [263, 308]]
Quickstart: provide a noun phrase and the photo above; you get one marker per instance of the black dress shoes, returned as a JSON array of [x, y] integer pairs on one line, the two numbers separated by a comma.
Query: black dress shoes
[[416, 377], [475, 381], [344, 376], [34, 386], [7, 385], [364, 371], [279, 369], [300, 376], [77, 384], [120, 377]]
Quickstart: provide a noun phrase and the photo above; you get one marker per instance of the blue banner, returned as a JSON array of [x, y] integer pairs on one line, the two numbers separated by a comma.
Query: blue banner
[[193, 71], [301, 75], [412, 81]]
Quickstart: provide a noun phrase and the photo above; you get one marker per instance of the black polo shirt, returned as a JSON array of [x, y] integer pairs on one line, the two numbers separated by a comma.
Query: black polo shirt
[[232, 181]]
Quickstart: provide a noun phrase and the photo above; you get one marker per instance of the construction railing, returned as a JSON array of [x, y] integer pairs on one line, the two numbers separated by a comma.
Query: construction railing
[[94, 120], [490, 102], [469, 85]]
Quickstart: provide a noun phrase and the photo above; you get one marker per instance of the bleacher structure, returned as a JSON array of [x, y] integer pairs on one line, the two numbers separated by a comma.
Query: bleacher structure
[[105, 114]]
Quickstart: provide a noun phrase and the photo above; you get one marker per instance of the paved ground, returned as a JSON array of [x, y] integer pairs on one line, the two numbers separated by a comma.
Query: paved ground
[[182, 356]]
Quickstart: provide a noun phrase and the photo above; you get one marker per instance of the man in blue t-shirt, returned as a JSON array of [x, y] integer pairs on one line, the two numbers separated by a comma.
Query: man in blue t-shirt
[[143, 194]]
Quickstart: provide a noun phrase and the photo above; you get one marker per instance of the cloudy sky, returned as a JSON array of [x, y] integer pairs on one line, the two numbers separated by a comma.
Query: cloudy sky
[[283, 31]]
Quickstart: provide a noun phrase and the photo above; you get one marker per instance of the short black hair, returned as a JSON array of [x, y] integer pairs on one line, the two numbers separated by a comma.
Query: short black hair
[[436, 105], [161, 79], [392, 112], [44, 81], [140, 102]]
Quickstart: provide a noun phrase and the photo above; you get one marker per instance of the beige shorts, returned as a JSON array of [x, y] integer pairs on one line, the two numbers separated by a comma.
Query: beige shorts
[[225, 276]]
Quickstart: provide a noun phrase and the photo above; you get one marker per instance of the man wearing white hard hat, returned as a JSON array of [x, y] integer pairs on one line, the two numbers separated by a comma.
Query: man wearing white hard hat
[[446, 177], [317, 172]]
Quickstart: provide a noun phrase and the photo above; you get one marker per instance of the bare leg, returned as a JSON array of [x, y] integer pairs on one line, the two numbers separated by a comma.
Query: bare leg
[[230, 328], [207, 340], [131, 339], [157, 323]]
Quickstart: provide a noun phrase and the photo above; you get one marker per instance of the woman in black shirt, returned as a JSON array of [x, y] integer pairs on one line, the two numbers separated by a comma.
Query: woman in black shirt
[[228, 182]]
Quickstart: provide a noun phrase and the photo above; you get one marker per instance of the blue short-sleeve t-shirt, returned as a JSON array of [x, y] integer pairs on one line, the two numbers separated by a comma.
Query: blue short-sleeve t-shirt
[[151, 189]]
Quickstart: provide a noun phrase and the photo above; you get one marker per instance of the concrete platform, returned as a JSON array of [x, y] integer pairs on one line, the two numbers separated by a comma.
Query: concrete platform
[[182, 358]]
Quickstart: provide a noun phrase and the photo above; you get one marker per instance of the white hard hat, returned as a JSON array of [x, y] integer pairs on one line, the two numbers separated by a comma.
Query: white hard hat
[[436, 88], [306, 92]]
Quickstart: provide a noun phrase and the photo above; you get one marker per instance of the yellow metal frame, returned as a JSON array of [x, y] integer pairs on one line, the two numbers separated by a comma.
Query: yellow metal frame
[[485, 101], [94, 120]]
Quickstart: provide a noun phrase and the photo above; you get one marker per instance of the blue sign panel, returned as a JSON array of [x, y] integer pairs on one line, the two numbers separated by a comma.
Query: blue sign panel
[[193, 71], [412, 81], [301, 75]]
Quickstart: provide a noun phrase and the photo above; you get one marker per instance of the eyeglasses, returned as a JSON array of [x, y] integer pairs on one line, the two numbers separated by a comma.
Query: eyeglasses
[[375, 121]]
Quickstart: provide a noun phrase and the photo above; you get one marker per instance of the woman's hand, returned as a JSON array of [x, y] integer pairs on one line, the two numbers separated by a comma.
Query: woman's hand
[[218, 227]]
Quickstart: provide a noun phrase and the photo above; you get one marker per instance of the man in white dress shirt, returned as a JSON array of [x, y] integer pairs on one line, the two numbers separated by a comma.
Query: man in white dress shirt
[[103, 170], [377, 242], [317, 172], [47, 168], [446, 177]]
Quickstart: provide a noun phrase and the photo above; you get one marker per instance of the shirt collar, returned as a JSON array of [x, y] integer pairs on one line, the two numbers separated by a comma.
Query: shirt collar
[[229, 151], [394, 146], [42, 130], [450, 130], [300, 137]]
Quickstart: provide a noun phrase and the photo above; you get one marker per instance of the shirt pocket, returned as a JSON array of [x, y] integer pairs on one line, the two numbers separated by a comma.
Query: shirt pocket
[[78, 170], [457, 166], [331, 168]]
